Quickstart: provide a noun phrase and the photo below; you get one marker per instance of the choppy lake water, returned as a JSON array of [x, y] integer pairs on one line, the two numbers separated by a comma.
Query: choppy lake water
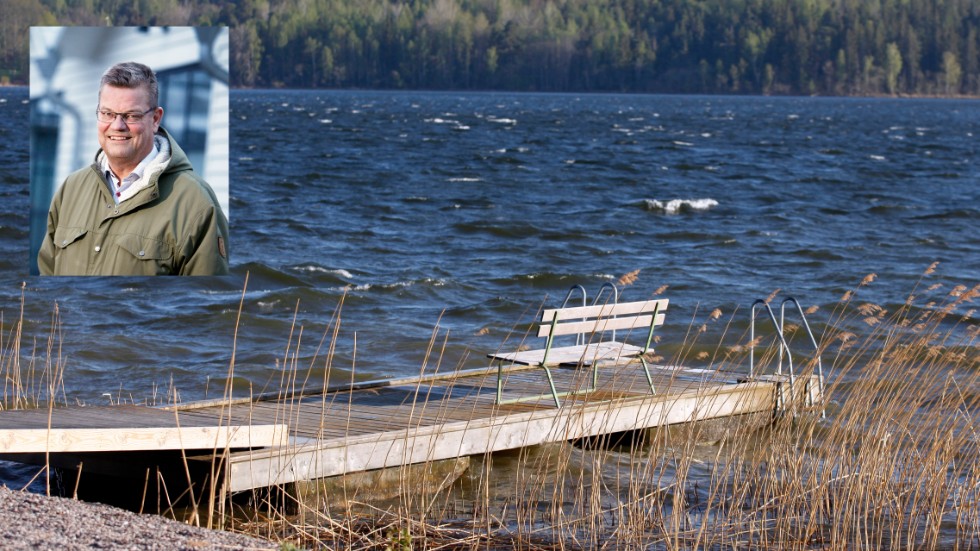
[[470, 210]]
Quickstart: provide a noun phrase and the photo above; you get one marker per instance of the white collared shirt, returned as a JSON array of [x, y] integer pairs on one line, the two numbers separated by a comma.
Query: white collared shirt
[[118, 187]]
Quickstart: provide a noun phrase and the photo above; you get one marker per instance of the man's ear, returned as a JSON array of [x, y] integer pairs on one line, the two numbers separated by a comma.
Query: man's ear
[[157, 118]]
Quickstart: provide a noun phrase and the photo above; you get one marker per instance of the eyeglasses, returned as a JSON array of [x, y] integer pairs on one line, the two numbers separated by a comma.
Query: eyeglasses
[[105, 115]]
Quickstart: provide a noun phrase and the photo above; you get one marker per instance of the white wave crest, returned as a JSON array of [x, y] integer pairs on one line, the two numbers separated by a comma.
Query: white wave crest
[[675, 206], [268, 305], [312, 268], [440, 120]]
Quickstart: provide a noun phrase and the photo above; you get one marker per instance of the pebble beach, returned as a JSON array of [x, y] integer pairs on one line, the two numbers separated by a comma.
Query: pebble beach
[[35, 521]]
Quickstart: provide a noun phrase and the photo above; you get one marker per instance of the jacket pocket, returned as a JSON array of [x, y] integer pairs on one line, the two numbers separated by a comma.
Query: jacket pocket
[[65, 236], [151, 257]]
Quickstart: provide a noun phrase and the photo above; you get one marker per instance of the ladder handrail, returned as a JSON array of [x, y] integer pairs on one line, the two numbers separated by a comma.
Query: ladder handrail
[[569, 295], [607, 285], [615, 293], [578, 339], [783, 345], [813, 341]]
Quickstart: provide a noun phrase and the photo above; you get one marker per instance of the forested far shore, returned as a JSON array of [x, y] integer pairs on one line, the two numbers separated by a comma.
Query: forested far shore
[[794, 47]]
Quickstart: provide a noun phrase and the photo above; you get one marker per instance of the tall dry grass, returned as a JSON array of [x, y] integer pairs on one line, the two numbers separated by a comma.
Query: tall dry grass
[[32, 377]]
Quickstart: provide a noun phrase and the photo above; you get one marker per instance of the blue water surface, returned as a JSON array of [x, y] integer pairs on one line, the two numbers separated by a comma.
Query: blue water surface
[[463, 213]]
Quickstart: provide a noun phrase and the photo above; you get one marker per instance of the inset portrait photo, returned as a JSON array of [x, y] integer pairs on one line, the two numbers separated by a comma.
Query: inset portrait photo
[[129, 151]]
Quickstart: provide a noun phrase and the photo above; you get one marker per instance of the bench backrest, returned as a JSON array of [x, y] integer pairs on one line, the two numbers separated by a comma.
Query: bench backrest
[[602, 317]]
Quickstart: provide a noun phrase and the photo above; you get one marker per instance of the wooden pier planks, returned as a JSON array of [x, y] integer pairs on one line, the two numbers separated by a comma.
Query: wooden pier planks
[[390, 423], [397, 432], [505, 430], [125, 428]]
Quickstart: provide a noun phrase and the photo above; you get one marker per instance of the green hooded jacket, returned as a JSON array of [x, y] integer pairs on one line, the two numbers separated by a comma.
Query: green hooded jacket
[[173, 226]]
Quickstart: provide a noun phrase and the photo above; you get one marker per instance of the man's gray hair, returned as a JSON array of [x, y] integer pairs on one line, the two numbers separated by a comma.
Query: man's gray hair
[[132, 75]]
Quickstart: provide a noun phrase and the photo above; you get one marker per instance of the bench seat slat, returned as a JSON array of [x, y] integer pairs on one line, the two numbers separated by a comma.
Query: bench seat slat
[[573, 355], [604, 310], [599, 325]]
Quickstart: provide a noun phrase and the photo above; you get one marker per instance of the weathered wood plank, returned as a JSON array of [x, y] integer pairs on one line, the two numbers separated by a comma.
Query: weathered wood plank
[[604, 310], [331, 389], [65, 440], [600, 325], [584, 354]]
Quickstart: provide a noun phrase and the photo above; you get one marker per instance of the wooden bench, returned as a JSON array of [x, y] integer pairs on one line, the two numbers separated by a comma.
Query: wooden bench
[[589, 323]]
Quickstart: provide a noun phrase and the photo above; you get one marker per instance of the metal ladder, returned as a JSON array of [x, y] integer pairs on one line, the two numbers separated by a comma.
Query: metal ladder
[[580, 339], [779, 325]]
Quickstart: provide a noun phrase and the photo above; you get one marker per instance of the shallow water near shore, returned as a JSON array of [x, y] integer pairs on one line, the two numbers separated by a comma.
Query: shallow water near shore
[[464, 213]]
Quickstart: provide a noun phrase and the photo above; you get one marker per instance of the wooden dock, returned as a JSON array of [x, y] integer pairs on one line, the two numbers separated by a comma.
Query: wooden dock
[[274, 441]]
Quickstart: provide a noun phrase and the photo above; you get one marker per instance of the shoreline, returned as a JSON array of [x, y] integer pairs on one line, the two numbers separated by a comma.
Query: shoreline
[[439, 91]]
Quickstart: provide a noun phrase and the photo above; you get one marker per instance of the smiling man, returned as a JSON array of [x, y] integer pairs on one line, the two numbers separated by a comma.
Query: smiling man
[[139, 208]]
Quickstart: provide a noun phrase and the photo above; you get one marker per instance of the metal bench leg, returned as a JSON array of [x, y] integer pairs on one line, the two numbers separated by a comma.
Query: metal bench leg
[[500, 380], [646, 371], [500, 387], [551, 382]]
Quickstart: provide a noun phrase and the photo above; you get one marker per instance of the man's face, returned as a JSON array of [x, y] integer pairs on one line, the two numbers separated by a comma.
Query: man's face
[[126, 144]]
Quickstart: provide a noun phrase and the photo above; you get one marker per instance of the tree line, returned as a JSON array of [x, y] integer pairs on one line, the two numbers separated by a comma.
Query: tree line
[[826, 47]]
